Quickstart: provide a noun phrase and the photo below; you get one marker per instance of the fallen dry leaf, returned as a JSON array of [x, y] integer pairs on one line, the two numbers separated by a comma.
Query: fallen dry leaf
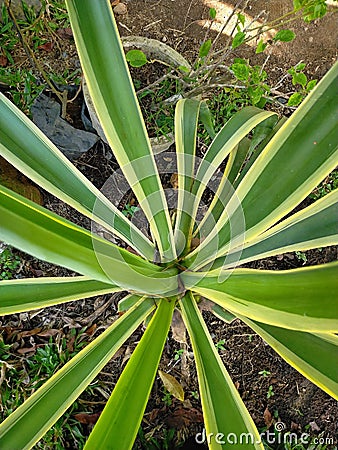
[[183, 417], [120, 9], [65, 33], [178, 328], [3, 61], [174, 180], [267, 417], [115, 2], [91, 330], [127, 355], [27, 333], [50, 332], [172, 385], [47, 47], [24, 350], [88, 419]]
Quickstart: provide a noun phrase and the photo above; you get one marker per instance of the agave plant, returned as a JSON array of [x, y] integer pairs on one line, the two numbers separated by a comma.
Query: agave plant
[[181, 258]]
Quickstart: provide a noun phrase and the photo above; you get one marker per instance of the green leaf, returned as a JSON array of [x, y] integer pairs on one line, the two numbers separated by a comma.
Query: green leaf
[[207, 119], [304, 151], [295, 99], [205, 48], [212, 13], [33, 293], [184, 69], [122, 415], [136, 58], [45, 235], [128, 302], [284, 36], [238, 39], [299, 78], [311, 84], [186, 120], [27, 424], [312, 227], [261, 46], [241, 71], [310, 354], [226, 140], [256, 94], [111, 89], [215, 385], [241, 18], [300, 299], [31, 152]]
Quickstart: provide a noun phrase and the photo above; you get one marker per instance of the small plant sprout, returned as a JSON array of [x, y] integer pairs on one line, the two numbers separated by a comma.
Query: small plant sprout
[[9, 263], [220, 345], [264, 373], [270, 392], [167, 397], [178, 354], [195, 395], [301, 256], [130, 210]]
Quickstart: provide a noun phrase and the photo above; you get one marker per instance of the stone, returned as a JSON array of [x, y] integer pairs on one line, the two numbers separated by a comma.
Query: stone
[[71, 141]]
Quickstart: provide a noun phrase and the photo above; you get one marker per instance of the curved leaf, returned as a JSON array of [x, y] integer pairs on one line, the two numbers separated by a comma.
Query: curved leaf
[[122, 415], [225, 141], [312, 227], [47, 236], [31, 152], [186, 120], [302, 299], [311, 354], [293, 163], [27, 424], [223, 409], [111, 89], [33, 293]]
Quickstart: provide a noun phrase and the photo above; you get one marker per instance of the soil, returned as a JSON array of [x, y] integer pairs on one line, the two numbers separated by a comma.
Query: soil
[[272, 391]]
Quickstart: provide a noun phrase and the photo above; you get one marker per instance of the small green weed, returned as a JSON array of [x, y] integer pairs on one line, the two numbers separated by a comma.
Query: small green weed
[[178, 354], [326, 186], [8, 264], [165, 442], [130, 210], [195, 395], [301, 256], [299, 79], [167, 397], [21, 377], [264, 373], [220, 345], [270, 392]]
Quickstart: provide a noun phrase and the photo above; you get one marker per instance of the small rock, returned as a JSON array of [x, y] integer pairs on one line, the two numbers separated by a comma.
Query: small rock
[[121, 9], [314, 426], [72, 142]]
